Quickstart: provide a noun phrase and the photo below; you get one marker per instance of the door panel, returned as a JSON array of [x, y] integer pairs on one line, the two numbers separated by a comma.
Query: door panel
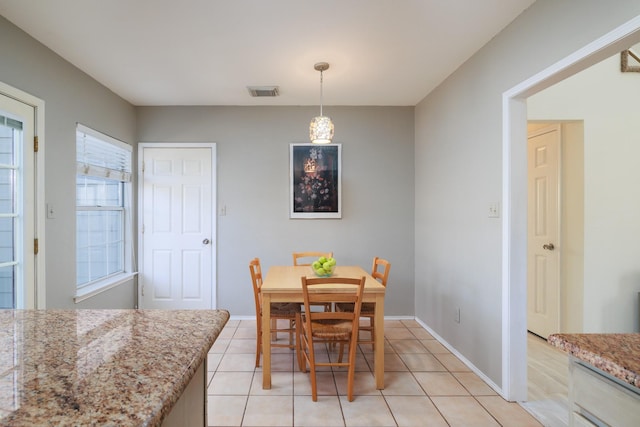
[[177, 242], [543, 278], [17, 204]]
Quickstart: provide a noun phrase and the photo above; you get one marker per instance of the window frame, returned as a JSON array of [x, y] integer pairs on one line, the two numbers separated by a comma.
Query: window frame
[[99, 172]]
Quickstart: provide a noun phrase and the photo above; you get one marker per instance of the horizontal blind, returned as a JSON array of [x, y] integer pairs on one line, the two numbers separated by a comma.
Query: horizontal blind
[[102, 156]]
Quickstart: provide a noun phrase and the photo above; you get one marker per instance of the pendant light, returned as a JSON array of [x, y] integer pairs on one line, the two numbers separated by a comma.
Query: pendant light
[[321, 127]]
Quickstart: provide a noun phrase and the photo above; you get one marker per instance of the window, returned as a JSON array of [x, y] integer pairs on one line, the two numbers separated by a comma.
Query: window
[[103, 220]]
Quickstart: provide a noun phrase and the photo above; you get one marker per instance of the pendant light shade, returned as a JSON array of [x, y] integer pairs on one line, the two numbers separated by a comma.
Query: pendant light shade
[[321, 127]]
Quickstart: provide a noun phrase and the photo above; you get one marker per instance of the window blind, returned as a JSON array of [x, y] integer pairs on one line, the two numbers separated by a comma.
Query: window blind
[[100, 155]]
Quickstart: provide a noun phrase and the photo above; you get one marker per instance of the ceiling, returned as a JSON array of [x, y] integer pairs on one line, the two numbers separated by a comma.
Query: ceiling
[[206, 52]]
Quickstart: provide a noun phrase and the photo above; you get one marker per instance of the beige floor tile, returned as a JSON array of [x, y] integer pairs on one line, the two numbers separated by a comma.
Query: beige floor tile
[[393, 324], [245, 333], [401, 384], [411, 323], [398, 334], [452, 363], [227, 332], [422, 362], [392, 362], [220, 345], [230, 383], [366, 348], [281, 384], [238, 345], [325, 384], [421, 333], [464, 412], [440, 384], [434, 346], [364, 384], [269, 411], [408, 346], [474, 384], [235, 362], [225, 411], [415, 411], [213, 360], [325, 412], [283, 362], [247, 323], [508, 414], [366, 411]]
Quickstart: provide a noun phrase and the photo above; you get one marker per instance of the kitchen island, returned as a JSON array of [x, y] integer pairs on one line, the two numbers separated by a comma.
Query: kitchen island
[[604, 378], [105, 367]]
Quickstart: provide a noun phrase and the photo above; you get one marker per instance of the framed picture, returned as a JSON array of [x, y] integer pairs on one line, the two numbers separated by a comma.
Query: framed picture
[[315, 181], [630, 61]]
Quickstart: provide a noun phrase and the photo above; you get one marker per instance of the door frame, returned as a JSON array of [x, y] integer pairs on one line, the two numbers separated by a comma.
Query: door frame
[[39, 276], [214, 210], [514, 193]]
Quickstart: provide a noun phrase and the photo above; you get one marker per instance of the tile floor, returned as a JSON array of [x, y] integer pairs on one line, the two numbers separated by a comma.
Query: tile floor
[[425, 385]]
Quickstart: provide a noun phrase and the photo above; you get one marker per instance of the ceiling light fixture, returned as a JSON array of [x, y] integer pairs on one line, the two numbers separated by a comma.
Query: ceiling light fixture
[[321, 127]]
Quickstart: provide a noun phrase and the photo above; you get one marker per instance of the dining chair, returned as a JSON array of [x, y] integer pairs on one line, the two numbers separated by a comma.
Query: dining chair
[[306, 258], [299, 258], [380, 272], [333, 327], [279, 311]]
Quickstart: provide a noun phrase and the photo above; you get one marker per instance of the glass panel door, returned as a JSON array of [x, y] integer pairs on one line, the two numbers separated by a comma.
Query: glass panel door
[[10, 135], [17, 204]]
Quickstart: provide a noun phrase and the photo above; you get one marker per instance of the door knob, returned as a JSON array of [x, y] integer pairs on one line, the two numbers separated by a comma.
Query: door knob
[[549, 247], [206, 241]]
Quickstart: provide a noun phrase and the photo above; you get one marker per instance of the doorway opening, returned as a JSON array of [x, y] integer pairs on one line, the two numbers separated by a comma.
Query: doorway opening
[[514, 242]]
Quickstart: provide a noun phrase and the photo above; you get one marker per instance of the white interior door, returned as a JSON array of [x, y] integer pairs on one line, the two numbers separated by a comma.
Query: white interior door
[[543, 255], [177, 230], [17, 204]]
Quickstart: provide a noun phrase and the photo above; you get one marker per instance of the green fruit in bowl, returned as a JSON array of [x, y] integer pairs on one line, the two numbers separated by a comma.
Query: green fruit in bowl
[[327, 266], [316, 265], [322, 260]]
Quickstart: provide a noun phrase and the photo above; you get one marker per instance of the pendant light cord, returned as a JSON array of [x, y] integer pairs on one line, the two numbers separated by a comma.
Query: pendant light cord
[[321, 92]]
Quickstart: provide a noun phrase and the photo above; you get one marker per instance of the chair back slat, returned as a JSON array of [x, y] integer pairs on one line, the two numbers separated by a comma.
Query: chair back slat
[[380, 270], [298, 257]]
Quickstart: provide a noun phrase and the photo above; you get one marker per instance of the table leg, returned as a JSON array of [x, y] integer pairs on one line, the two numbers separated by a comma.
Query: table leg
[[266, 341], [379, 339]]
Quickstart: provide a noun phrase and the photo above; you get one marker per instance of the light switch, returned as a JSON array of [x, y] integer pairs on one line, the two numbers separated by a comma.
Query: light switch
[[51, 212], [494, 210]]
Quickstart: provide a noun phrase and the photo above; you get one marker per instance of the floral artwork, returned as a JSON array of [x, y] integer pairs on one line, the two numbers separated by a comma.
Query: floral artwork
[[315, 181]]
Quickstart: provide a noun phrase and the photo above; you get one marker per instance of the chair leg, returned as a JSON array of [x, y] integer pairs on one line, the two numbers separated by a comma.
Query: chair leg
[[373, 333], [258, 341]]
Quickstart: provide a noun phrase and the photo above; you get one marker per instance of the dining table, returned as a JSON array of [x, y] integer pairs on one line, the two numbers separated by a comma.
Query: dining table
[[284, 284]]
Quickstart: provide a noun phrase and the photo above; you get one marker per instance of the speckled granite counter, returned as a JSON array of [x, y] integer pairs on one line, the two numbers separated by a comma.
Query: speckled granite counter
[[616, 354], [99, 367]]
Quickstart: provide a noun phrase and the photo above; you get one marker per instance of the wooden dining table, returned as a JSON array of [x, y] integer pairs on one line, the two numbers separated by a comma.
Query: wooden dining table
[[284, 284]]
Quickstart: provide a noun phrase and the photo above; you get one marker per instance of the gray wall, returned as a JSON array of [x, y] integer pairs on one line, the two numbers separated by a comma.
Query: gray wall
[[253, 183], [459, 170], [70, 96]]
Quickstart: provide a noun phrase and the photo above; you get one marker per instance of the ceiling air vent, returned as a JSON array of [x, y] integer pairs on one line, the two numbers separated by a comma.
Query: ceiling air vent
[[263, 90]]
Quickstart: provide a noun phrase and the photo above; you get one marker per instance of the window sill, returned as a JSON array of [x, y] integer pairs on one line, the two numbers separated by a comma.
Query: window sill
[[104, 285]]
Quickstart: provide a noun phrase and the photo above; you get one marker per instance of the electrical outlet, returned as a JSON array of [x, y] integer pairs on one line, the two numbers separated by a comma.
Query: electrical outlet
[[457, 318]]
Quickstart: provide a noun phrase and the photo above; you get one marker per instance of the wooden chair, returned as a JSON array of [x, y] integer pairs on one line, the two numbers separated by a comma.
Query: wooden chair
[[302, 258], [329, 327], [297, 256], [380, 272], [279, 311]]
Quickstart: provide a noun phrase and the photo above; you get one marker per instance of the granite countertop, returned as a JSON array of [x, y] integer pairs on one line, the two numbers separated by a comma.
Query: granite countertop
[[99, 367], [616, 354]]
